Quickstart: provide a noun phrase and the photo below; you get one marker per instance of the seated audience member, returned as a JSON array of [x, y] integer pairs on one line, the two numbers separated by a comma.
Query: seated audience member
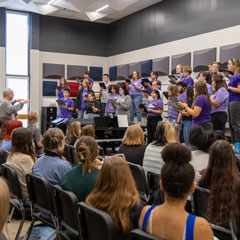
[[51, 166], [7, 142], [170, 220], [32, 117], [92, 107], [115, 193], [4, 204], [206, 78], [81, 179], [67, 109], [133, 146], [201, 110], [222, 179], [152, 161], [187, 71], [73, 133], [113, 91], [3, 126], [201, 141], [22, 156], [88, 130]]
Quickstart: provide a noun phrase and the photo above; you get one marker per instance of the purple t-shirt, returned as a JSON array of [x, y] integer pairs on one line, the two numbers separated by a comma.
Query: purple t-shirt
[[133, 90], [203, 102], [209, 88], [188, 81], [234, 82], [83, 103], [173, 113], [157, 102], [91, 81], [60, 94], [221, 96], [64, 112], [109, 107], [184, 97]]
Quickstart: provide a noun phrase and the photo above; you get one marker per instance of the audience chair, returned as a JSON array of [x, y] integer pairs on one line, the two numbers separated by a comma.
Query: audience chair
[[153, 180], [140, 179], [65, 205], [40, 196], [138, 234], [3, 156], [17, 203], [95, 224], [69, 154], [200, 203]]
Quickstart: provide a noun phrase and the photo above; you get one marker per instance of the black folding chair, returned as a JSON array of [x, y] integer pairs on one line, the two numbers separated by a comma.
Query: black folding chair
[[69, 154], [137, 234], [10, 174], [200, 203], [140, 179], [153, 180], [95, 224], [41, 201], [65, 204], [3, 156]]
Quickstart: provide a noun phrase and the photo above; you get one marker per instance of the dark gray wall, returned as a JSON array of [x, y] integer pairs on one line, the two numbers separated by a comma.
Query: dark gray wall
[[35, 34], [170, 20], [2, 27]]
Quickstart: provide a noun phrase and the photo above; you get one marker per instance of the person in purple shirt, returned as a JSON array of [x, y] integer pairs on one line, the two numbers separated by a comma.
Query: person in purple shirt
[[87, 76], [219, 101], [179, 72], [182, 89], [201, 111], [136, 94], [187, 71], [206, 77], [154, 109], [59, 91], [113, 91], [234, 100], [66, 110]]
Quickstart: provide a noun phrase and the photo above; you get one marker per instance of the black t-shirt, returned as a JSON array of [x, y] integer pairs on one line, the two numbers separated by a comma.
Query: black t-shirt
[[185, 118], [88, 107]]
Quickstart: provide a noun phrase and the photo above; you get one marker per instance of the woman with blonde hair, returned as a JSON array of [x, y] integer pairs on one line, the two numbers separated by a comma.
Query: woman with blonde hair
[[81, 179], [73, 132], [133, 146], [152, 161], [115, 193], [4, 203]]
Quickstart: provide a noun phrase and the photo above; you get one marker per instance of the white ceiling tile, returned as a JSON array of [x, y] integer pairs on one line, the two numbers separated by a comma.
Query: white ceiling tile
[[93, 16], [47, 9], [65, 5]]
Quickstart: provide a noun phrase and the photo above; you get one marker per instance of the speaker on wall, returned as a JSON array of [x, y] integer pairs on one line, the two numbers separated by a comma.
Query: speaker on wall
[[49, 88], [146, 68], [161, 66], [76, 72], [53, 71], [229, 51], [96, 73], [134, 67], [184, 59], [202, 58], [113, 73], [122, 72]]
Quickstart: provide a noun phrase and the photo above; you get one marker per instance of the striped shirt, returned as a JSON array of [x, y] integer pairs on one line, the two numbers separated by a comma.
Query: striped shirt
[[152, 161]]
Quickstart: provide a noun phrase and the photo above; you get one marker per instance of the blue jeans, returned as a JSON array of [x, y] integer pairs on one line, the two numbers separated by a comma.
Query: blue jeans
[[186, 126], [91, 116], [136, 100], [80, 113]]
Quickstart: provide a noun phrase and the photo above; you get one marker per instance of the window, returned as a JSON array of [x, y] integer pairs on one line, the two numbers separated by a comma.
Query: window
[[17, 55]]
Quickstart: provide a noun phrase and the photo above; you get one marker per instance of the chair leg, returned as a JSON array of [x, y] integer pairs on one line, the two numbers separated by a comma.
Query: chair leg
[[28, 234], [10, 215], [20, 226]]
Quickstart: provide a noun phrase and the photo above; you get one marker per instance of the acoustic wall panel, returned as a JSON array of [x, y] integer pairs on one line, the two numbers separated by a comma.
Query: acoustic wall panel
[[122, 72], [202, 58], [53, 71], [49, 88], [76, 72], [184, 59], [146, 68], [229, 51], [161, 66], [134, 67], [113, 73], [96, 73]]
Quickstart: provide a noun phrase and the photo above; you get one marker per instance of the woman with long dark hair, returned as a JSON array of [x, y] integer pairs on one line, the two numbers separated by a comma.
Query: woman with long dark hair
[[201, 109]]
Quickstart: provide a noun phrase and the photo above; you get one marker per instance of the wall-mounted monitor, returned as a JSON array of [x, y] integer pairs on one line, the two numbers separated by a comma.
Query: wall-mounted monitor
[[53, 71], [184, 59], [229, 51], [161, 66], [75, 72]]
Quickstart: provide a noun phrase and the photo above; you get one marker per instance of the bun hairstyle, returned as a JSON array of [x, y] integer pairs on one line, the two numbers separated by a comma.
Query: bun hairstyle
[[86, 151], [177, 174], [201, 139], [52, 140]]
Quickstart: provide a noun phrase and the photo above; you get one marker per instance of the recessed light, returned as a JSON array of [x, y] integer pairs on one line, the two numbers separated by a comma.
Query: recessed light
[[100, 9]]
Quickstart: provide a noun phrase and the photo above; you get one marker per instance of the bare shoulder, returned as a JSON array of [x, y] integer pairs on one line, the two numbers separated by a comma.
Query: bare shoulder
[[144, 210], [202, 229]]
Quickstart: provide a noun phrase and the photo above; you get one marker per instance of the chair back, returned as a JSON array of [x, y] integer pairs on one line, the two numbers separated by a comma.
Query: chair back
[[69, 153], [3, 156], [65, 205], [153, 180], [95, 224], [138, 234], [140, 180], [10, 174], [40, 193]]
